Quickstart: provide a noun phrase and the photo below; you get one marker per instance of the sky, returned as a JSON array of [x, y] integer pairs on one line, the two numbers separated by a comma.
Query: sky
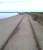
[[21, 5]]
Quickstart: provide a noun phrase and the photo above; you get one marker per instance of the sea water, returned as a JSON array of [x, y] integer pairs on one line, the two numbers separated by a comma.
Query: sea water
[[6, 15]]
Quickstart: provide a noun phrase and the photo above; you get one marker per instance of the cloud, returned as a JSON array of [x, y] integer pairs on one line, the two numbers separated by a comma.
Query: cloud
[[37, 5], [10, 1], [16, 7], [21, 5]]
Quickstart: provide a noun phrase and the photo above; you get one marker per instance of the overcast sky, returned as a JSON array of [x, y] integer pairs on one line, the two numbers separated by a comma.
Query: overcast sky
[[21, 5]]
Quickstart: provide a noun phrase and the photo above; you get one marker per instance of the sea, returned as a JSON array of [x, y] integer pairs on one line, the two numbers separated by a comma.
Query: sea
[[6, 15]]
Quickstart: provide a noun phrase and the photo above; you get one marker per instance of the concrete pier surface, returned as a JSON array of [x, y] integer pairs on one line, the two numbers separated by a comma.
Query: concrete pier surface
[[23, 37]]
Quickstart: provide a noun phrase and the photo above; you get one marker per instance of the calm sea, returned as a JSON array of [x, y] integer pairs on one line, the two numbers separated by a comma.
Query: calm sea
[[6, 15]]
